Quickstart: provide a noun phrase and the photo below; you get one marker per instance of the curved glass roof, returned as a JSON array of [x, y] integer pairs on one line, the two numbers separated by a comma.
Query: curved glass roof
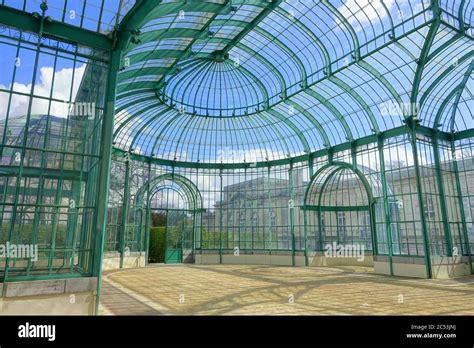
[[254, 81]]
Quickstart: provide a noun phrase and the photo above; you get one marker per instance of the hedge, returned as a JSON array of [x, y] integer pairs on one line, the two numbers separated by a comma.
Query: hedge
[[156, 253]]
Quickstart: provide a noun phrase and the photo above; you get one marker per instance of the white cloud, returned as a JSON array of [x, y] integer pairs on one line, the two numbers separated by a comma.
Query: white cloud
[[63, 81], [361, 13]]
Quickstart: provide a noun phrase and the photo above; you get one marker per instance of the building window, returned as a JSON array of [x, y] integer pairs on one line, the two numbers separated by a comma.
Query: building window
[[242, 219], [272, 220], [254, 219], [323, 223], [341, 225], [429, 208], [365, 223]]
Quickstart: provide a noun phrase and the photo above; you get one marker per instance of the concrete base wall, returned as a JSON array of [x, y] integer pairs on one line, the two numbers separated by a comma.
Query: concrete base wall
[[401, 269], [321, 261], [444, 267], [402, 266], [277, 260], [413, 267], [283, 260], [50, 297], [111, 260]]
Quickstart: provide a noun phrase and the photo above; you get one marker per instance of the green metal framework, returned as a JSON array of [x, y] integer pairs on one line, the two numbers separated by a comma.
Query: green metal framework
[[242, 105], [336, 190]]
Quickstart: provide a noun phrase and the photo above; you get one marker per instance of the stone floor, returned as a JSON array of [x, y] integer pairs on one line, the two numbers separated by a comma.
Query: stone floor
[[272, 290]]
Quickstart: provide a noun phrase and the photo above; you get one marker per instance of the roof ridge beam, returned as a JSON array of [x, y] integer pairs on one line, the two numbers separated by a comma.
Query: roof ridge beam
[[423, 58], [461, 87], [25, 21]]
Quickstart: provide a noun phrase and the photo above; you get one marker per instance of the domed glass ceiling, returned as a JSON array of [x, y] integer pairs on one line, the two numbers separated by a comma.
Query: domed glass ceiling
[[256, 81], [210, 87]]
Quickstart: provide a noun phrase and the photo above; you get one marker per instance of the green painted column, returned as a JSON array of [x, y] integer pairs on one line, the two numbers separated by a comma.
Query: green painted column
[[305, 221], [305, 216], [104, 170], [412, 123], [147, 218], [386, 206], [291, 207], [442, 198]]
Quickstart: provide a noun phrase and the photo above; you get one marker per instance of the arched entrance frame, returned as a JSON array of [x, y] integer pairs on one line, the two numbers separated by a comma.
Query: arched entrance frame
[[187, 190], [334, 168]]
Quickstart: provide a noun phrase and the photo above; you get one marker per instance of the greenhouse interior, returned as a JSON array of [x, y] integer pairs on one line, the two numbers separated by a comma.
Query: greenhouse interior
[[231, 132]]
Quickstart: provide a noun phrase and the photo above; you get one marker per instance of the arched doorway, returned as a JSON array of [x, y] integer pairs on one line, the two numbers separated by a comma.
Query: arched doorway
[[340, 213], [169, 208]]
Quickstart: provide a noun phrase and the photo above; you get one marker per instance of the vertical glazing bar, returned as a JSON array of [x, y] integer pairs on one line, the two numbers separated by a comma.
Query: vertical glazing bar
[[388, 225], [147, 220], [305, 221], [461, 206], [292, 217], [240, 224], [126, 198], [148, 217], [320, 228], [73, 228], [221, 218], [305, 215], [270, 212]]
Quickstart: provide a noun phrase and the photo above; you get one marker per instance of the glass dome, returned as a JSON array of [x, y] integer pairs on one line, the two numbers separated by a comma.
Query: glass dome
[[240, 82], [214, 87]]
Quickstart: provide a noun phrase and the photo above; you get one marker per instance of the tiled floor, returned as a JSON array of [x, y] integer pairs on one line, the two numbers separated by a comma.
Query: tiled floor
[[272, 290]]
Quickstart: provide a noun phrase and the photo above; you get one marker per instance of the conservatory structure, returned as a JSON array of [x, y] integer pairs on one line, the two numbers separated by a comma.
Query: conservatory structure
[[244, 131]]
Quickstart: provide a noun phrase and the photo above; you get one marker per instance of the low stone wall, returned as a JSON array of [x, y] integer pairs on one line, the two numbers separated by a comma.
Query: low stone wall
[[282, 258], [402, 266], [111, 260], [74, 296], [277, 258], [442, 267], [318, 259], [450, 267]]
